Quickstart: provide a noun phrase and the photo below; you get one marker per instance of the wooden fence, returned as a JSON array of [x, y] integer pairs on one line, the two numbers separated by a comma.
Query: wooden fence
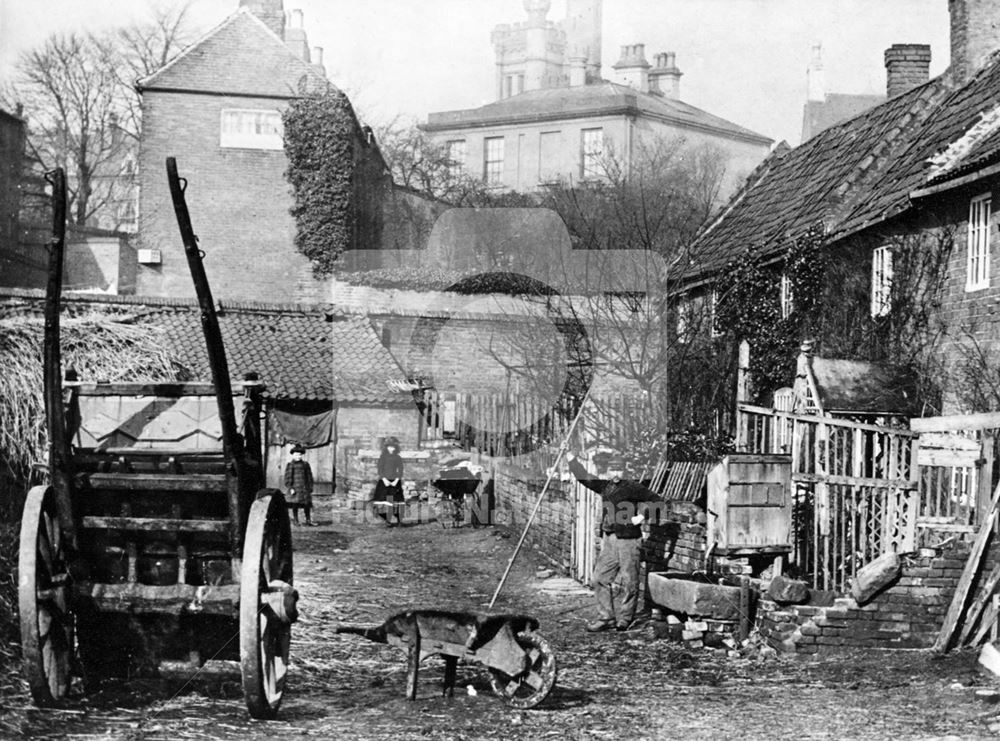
[[855, 488], [507, 425]]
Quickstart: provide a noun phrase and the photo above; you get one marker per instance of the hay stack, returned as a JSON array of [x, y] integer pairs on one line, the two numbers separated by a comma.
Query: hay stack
[[101, 347]]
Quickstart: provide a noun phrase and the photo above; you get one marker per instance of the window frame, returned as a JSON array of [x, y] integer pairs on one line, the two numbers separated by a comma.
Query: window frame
[[977, 261], [882, 279], [494, 167], [456, 162], [237, 139], [589, 158], [786, 296]]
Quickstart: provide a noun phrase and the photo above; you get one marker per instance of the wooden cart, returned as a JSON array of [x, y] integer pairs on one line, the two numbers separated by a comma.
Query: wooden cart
[[153, 549]]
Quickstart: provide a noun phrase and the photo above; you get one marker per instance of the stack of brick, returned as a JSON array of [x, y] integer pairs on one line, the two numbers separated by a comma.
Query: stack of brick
[[907, 614]]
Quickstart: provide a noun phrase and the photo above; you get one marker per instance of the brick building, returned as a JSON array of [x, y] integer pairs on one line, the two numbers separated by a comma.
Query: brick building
[[914, 175], [217, 108], [557, 120]]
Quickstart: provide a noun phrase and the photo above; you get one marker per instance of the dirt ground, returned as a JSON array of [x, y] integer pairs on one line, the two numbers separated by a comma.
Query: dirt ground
[[627, 685]]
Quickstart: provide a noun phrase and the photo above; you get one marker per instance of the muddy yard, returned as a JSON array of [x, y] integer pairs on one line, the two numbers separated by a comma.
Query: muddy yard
[[628, 685]]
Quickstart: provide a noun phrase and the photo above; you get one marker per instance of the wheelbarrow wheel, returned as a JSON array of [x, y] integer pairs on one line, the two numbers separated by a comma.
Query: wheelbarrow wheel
[[267, 604], [533, 685], [47, 631]]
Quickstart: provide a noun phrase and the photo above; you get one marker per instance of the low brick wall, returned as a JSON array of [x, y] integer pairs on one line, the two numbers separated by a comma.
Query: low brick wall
[[907, 614], [551, 532]]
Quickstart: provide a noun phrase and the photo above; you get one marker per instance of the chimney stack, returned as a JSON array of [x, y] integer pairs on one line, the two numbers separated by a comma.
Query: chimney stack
[[906, 67], [632, 69], [975, 34], [272, 12], [665, 77], [815, 76], [577, 70], [295, 36]]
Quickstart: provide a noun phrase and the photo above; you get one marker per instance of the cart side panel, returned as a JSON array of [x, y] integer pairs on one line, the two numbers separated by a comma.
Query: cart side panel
[[180, 423]]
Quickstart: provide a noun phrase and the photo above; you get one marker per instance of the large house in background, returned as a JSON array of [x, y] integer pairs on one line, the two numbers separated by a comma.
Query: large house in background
[[556, 120], [918, 171]]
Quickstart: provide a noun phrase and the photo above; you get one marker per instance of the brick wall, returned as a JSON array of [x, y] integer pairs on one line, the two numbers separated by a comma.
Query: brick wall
[[238, 199], [908, 614], [517, 490]]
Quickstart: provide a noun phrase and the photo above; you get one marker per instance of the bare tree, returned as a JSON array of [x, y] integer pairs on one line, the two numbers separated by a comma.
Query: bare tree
[[629, 229], [78, 96]]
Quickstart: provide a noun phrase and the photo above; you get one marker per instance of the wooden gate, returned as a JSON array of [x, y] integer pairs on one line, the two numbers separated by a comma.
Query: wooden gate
[[855, 488]]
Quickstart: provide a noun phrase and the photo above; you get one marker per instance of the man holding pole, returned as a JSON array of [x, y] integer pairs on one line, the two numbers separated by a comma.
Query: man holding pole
[[625, 506]]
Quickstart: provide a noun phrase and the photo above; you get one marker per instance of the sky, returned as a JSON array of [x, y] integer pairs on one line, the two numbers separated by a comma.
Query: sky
[[743, 60]]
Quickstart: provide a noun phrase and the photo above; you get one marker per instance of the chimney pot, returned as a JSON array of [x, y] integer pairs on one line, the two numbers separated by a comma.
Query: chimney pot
[[297, 18]]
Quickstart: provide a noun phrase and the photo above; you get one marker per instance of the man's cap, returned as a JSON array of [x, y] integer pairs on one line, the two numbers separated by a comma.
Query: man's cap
[[298, 448]]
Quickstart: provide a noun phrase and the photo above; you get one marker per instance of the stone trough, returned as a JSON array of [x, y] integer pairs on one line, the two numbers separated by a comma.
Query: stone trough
[[694, 595]]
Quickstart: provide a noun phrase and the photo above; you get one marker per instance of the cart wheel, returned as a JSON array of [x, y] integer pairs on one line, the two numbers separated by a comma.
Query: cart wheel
[[267, 605], [533, 685], [43, 599]]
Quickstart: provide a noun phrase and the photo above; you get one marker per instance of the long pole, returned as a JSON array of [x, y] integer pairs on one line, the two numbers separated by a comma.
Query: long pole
[[541, 496]]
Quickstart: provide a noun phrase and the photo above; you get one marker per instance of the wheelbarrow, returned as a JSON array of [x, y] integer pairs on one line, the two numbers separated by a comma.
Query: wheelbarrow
[[458, 480], [522, 666]]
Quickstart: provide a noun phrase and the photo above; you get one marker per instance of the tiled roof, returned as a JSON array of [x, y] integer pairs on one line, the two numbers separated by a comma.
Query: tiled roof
[[850, 176], [240, 56], [603, 98], [300, 352]]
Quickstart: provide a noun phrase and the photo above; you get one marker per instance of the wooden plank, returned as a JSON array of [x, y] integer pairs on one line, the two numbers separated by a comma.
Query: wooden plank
[[968, 574], [988, 624], [817, 419], [203, 482], [956, 422], [853, 481], [172, 599], [976, 608], [168, 390], [984, 469], [156, 524]]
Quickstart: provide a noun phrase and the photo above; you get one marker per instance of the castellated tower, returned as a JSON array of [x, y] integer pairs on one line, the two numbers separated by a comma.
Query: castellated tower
[[531, 54]]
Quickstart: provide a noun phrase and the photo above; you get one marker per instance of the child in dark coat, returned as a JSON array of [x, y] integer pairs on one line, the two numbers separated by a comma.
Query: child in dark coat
[[299, 485], [389, 487]]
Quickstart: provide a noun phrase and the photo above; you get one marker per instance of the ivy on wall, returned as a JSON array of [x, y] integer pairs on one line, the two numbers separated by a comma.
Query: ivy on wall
[[320, 142], [749, 307]]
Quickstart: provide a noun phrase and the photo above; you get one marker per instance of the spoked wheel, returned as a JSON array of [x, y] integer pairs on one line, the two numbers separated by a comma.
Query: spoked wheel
[[449, 513], [267, 604], [44, 600], [533, 685]]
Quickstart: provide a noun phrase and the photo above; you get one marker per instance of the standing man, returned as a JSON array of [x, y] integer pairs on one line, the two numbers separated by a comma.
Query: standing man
[[625, 505]]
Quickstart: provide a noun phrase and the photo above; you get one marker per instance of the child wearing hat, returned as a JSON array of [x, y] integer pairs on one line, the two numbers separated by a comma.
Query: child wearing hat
[[299, 485], [389, 487]]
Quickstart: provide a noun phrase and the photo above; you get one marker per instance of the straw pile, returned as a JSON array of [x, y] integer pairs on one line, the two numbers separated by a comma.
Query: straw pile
[[101, 347]]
